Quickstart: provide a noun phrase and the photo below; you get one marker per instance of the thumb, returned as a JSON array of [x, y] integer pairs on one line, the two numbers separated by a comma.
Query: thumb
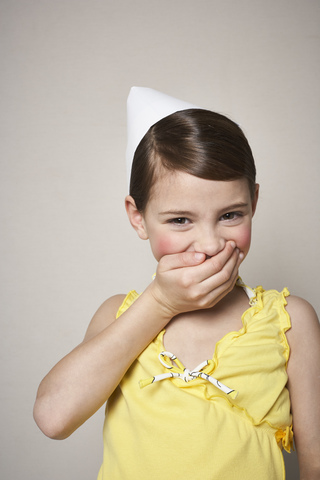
[[180, 260]]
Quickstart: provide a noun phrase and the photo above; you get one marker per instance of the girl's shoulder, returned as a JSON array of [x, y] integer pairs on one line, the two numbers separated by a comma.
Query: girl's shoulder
[[303, 336], [304, 320], [104, 316]]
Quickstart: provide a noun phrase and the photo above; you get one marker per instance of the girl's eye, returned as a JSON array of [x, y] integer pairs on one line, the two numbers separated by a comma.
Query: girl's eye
[[231, 216], [179, 221]]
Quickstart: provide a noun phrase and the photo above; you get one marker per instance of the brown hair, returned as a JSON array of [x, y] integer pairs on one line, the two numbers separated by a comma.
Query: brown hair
[[199, 142]]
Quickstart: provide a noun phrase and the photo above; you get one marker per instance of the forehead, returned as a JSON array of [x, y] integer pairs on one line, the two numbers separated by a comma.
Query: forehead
[[172, 187], [181, 192]]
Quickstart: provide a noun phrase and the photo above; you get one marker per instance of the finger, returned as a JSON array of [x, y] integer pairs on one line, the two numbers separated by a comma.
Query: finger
[[221, 265], [218, 288], [225, 275], [181, 260], [218, 262]]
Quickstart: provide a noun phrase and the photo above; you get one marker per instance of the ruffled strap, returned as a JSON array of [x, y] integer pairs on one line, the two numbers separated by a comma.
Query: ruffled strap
[[254, 294], [285, 439], [130, 298]]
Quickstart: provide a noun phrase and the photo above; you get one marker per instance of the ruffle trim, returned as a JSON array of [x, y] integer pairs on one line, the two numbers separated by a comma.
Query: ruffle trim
[[284, 439], [130, 298]]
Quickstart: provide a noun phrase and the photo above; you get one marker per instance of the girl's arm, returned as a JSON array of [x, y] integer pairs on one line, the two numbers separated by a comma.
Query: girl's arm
[[304, 385], [83, 380]]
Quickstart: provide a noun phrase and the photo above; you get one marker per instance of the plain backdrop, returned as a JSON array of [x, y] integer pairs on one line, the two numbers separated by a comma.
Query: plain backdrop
[[66, 245]]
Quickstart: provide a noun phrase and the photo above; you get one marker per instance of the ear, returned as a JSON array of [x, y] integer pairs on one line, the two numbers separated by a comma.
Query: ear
[[255, 199], [136, 218]]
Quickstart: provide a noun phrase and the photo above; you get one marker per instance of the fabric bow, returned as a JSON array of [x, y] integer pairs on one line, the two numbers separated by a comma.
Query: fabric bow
[[179, 371], [285, 439]]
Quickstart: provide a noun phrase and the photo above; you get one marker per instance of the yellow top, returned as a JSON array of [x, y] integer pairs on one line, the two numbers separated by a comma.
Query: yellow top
[[185, 426]]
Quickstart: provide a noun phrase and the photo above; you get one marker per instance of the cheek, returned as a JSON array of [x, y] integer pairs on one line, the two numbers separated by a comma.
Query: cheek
[[244, 239], [164, 245]]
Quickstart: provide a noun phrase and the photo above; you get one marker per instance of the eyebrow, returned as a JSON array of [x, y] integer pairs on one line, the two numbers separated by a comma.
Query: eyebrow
[[236, 205], [178, 213], [186, 213]]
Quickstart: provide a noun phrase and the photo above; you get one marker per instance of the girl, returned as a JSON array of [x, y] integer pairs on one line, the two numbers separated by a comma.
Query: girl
[[196, 369]]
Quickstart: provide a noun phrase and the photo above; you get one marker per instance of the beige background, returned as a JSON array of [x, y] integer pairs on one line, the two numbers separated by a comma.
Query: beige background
[[66, 69]]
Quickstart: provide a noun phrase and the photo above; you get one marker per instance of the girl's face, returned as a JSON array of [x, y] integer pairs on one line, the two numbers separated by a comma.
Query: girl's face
[[187, 213]]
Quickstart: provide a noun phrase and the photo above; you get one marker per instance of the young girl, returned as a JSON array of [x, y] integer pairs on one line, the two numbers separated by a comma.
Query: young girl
[[202, 375]]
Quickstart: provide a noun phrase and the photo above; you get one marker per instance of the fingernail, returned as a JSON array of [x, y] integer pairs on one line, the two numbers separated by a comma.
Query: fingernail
[[198, 256], [233, 244], [241, 255]]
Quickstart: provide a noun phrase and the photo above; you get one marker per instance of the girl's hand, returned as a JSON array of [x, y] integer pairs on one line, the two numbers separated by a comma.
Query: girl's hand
[[188, 281]]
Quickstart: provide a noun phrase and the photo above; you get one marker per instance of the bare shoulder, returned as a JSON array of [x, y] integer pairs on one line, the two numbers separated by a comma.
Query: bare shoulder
[[304, 341], [104, 316], [304, 320]]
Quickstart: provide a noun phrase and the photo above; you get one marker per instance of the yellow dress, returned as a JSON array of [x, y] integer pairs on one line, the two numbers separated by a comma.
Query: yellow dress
[[187, 426]]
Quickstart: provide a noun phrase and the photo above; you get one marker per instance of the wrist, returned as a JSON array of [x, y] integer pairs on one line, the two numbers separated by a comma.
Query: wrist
[[157, 304]]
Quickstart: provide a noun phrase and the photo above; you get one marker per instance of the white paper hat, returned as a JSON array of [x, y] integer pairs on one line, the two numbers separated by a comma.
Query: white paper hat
[[145, 107]]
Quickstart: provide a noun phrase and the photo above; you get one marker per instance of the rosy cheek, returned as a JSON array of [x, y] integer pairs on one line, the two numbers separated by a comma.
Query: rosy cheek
[[243, 239], [164, 246]]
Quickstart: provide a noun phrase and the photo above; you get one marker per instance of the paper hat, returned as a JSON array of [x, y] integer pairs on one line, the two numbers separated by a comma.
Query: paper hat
[[145, 107]]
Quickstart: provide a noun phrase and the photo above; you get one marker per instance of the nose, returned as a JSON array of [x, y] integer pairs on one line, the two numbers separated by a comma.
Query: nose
[[209, 241]]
